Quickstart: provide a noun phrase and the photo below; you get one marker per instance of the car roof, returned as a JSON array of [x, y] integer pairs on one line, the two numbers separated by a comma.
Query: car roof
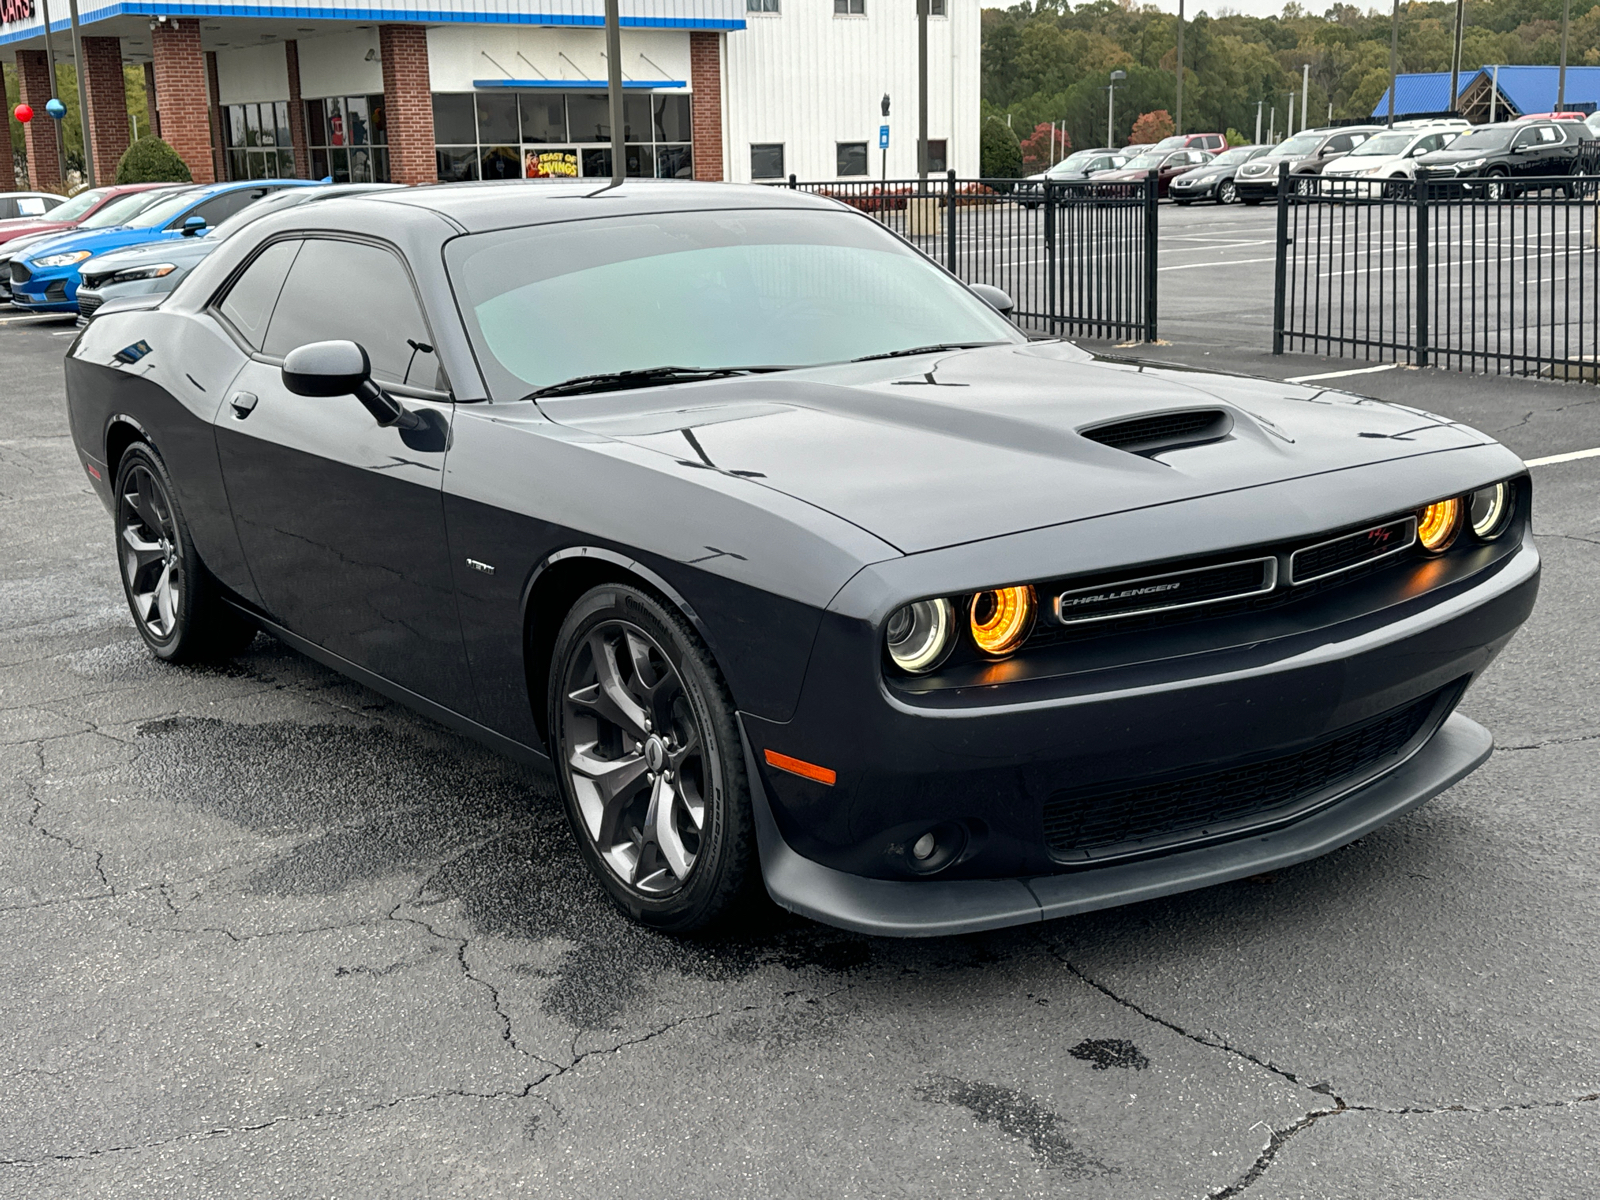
[[479, 207]]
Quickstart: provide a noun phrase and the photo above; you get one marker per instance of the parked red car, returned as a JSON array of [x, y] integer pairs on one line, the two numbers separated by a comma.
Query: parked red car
[[67, 216], [1214, 142], [1167, 163]]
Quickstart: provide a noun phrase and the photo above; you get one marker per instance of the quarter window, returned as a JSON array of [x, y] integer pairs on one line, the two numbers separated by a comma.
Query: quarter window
[[249, 302], [766, 160], [351, 290], [851, 158]]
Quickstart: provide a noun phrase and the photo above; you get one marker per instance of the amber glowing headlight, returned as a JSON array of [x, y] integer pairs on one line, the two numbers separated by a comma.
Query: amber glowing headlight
[[1438, 524], [1487, 509], [1002, 618], [920, 634]]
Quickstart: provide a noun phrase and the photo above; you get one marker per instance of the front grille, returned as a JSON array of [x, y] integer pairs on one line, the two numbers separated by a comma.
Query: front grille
[[20, 273], [1096, 825], [1352, 550], [1161, 431], [1175, 589], [87, 304]]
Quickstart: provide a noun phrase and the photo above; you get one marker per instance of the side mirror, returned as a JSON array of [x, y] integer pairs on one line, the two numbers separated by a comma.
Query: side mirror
[[343, 369], [994, 298], [194, 226]]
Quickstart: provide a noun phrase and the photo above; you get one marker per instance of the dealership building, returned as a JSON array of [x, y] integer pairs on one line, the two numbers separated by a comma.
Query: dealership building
[[415, 92]]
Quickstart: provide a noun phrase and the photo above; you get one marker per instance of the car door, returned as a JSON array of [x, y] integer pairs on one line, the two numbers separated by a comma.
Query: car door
[[1526, 153], [341, 520]]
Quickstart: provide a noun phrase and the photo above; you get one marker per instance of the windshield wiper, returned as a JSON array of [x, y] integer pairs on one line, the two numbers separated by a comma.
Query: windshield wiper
[[926, 350], [616, 381]]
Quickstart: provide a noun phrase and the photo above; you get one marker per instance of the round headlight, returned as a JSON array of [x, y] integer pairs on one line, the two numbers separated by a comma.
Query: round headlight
[[920, 634], [1487, 509], [1438, 525], [1002, 619]]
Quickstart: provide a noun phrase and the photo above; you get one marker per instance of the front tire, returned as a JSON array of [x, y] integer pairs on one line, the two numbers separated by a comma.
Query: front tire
[[1227, 192], [649, 760], [174, 601]]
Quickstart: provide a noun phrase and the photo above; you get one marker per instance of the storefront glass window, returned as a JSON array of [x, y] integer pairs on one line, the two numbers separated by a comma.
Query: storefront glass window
[[504, 135], [348, 138], [258, 140]]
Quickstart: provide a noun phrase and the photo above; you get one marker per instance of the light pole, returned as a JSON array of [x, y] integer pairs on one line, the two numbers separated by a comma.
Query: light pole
[[922, 93], [1561, 79], [1305, 93], [1394, 54], [1111, 105], [50, 53], [885, 142], [1179, 127], [1455, 56], [83, 96], [1259, 103], [619, 166]]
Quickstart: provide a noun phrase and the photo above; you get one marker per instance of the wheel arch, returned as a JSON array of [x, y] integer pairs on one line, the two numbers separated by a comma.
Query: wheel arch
[[122, 431], [552, 590]]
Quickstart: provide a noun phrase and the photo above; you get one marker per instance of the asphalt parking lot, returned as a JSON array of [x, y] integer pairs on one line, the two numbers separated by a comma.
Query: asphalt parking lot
[[267, 934]]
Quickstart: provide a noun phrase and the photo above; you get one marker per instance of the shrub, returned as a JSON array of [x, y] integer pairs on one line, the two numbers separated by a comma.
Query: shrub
[[150, 160], [1235, 138], [1151, 127], [999, 156]]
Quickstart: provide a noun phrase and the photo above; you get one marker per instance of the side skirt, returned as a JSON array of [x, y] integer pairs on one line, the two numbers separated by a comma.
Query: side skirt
[[445, 716]]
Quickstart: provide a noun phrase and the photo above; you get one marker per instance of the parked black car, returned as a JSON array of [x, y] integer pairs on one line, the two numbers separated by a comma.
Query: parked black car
[[1075, 168], [1214, 180], [1500, 158], [792, 558], [1306, 153]]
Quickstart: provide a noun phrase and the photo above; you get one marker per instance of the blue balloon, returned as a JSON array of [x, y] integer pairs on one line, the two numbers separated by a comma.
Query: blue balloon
[[56, 109]]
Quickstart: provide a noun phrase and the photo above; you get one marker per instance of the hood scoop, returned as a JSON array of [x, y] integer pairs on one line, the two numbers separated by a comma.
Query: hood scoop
[[1155, 432]]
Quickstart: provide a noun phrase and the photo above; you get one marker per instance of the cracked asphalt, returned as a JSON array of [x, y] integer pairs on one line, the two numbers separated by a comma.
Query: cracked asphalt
[[266, 934]]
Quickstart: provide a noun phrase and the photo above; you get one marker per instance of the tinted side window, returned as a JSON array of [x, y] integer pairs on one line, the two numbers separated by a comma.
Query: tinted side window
[[220, 208], [248, 304], [1338, 144], [1526, 138], [350, 290]]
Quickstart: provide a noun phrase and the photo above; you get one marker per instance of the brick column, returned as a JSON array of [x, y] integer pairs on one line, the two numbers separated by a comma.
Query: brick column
[[408, 103], [153, 117], [182, 94], [705, 104], [297, 112], [39, 134], [108, 104], [219, 162]]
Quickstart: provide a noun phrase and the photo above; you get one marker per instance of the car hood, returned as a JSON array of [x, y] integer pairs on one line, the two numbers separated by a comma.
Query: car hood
[[15, 247], [1452, 156], [183, 252], [25, 226], [1349, 165], [955, 447], [100, 241]]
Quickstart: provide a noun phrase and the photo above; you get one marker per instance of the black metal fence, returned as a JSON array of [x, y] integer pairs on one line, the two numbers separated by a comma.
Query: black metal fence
[[1497, 275], [1076, 258]]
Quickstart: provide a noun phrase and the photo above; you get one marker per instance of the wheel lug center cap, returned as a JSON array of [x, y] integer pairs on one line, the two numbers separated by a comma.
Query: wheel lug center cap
[[655, 753]]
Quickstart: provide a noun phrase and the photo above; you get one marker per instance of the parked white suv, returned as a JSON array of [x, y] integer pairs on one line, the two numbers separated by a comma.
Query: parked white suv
[[1390, 155]]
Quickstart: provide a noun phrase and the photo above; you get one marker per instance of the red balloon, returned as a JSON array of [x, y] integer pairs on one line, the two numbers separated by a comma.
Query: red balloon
[[23, 113]]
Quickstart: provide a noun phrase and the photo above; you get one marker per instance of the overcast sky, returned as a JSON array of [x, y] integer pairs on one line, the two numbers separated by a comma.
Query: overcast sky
[[1254, 8]]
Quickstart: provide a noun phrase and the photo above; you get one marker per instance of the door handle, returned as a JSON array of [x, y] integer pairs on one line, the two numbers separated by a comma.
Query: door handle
[[244, 403]]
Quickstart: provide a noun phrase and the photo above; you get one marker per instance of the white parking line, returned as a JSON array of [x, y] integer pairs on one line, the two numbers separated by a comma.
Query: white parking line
[[1223, 262], [1342, 374], [1561, 458], [32, 318]]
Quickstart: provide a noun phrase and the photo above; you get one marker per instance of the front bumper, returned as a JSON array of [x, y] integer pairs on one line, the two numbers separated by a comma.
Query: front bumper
[[1199, 189], [47, 292], [893, 908]]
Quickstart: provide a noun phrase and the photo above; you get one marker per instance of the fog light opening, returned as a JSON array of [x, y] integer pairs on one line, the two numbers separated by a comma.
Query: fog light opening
[[937, 848], [923, 848]]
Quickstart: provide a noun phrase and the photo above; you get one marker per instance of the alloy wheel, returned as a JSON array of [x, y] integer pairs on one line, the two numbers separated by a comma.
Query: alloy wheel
[[1227, 193], [636, 758], [151, 554]]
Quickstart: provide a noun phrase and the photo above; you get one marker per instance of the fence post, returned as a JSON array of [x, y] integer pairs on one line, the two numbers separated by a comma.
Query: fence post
[[1152, 229], [950, 225], [792, 183], [1281, 281], [1051, 315], [1422, 190]]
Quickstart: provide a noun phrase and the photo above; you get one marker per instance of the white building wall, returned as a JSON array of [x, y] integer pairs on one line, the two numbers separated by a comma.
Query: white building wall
[[808, 78], [252, 73], [459, 54], [338, 64]]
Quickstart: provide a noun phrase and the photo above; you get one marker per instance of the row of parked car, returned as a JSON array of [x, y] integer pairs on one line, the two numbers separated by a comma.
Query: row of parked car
[[111, 243], [1366, 158]]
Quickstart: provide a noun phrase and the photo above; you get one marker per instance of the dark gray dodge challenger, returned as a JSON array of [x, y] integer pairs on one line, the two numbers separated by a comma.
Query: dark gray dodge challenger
[[795, 560]]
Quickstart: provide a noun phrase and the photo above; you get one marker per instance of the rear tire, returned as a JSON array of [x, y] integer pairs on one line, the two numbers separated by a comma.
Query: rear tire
[[649, 760], [1227, 192], [176, 604]]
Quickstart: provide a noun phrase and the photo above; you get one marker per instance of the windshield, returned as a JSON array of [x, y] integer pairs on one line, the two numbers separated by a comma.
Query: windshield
[[1145, 162], [702, 290], [1175, 142], [1383, 144], [164, 210], [1298, 147], [1493, 138], [1232, 158], [72, 209], [119, 210]]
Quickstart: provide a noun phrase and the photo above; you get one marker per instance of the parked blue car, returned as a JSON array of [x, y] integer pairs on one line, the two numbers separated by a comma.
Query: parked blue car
[[44, 278]]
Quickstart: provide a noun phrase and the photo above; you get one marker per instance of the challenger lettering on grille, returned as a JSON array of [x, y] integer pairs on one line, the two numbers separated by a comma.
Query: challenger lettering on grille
[[1174, 589], [1124, 594]]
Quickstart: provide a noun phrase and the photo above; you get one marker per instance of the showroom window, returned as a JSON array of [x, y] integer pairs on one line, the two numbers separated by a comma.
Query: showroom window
[[348, 139], [849, 8], [761, 6], [851, 158], [258, 141], [766, 160], [538, 135]]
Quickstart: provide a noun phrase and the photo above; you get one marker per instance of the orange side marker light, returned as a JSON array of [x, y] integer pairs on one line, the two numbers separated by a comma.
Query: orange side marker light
[[798, 766]]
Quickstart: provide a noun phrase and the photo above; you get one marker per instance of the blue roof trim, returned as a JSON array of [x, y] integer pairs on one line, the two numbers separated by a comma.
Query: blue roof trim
[[148, 8], [1524, 89], [585, 85]]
